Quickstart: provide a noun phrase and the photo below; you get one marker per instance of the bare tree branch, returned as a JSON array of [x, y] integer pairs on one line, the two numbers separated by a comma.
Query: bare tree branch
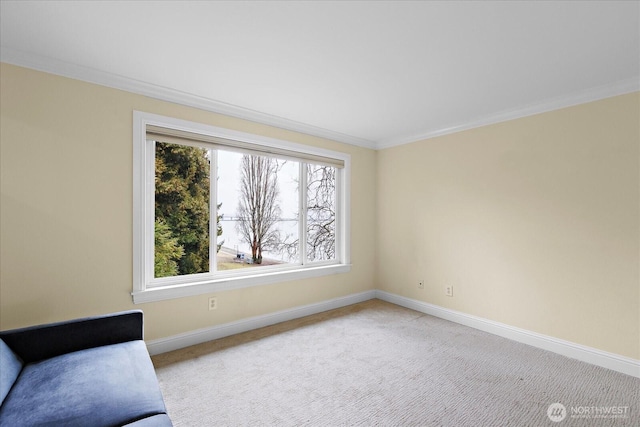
[[321, 216], [258, 206]]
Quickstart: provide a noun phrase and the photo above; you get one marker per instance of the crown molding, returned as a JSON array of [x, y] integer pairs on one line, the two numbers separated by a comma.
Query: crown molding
[[593, 94], [115, 81]]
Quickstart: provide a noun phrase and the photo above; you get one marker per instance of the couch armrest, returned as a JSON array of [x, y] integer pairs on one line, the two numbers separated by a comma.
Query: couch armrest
[[40, 342]]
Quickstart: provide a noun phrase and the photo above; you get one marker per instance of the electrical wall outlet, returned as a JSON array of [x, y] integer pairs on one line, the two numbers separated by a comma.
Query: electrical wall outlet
[[421, 284], [448, 290], [213, 303]]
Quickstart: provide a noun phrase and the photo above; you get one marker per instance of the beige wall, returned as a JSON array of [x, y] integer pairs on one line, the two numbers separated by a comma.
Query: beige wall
[[66, 210], [535, 223]]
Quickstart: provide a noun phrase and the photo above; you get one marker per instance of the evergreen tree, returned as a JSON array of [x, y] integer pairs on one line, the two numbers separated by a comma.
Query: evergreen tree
[[167, 251], [182, 203]]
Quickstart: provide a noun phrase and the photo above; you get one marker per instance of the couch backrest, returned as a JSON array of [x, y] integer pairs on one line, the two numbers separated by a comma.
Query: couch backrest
[[10, 367], [39, 342]]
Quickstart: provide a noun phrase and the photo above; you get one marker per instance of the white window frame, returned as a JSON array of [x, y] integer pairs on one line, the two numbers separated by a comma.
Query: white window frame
[[147, 288]]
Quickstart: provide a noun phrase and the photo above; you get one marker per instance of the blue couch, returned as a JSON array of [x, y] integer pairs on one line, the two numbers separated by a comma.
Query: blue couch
[[87, 372]]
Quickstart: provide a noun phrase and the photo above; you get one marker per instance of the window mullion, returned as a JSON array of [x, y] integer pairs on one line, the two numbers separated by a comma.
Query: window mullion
[[302, 232], [213, 211], [337, 202]]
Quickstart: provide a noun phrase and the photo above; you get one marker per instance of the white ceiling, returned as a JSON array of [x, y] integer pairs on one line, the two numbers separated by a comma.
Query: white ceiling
[[374, 74]]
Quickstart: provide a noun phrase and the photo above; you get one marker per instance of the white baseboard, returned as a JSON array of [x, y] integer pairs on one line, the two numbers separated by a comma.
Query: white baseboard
[[198, 336], [612, 361], [591, 355]]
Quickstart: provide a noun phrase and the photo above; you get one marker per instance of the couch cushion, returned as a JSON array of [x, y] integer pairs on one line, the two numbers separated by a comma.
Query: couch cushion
[[10, 367], [103, 386]]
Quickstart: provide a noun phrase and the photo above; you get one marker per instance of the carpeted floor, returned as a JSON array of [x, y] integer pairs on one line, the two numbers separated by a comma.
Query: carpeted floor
[[377, 364]]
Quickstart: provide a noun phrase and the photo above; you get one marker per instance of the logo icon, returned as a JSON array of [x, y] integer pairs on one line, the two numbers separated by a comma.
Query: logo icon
[[556, 412]]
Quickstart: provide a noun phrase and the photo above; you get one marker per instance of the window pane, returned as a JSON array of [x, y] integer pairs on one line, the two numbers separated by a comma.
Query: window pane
[[258, 209], [321, 213], [181, 210], [288, 225]]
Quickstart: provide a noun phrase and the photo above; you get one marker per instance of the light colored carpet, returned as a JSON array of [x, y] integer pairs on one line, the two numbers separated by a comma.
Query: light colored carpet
[[375, 363]]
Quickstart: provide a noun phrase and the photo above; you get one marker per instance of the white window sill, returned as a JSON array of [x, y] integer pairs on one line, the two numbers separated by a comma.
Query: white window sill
[[227, 283]]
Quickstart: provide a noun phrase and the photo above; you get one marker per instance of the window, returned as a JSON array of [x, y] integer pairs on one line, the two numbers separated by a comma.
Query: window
[[217, 209]]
